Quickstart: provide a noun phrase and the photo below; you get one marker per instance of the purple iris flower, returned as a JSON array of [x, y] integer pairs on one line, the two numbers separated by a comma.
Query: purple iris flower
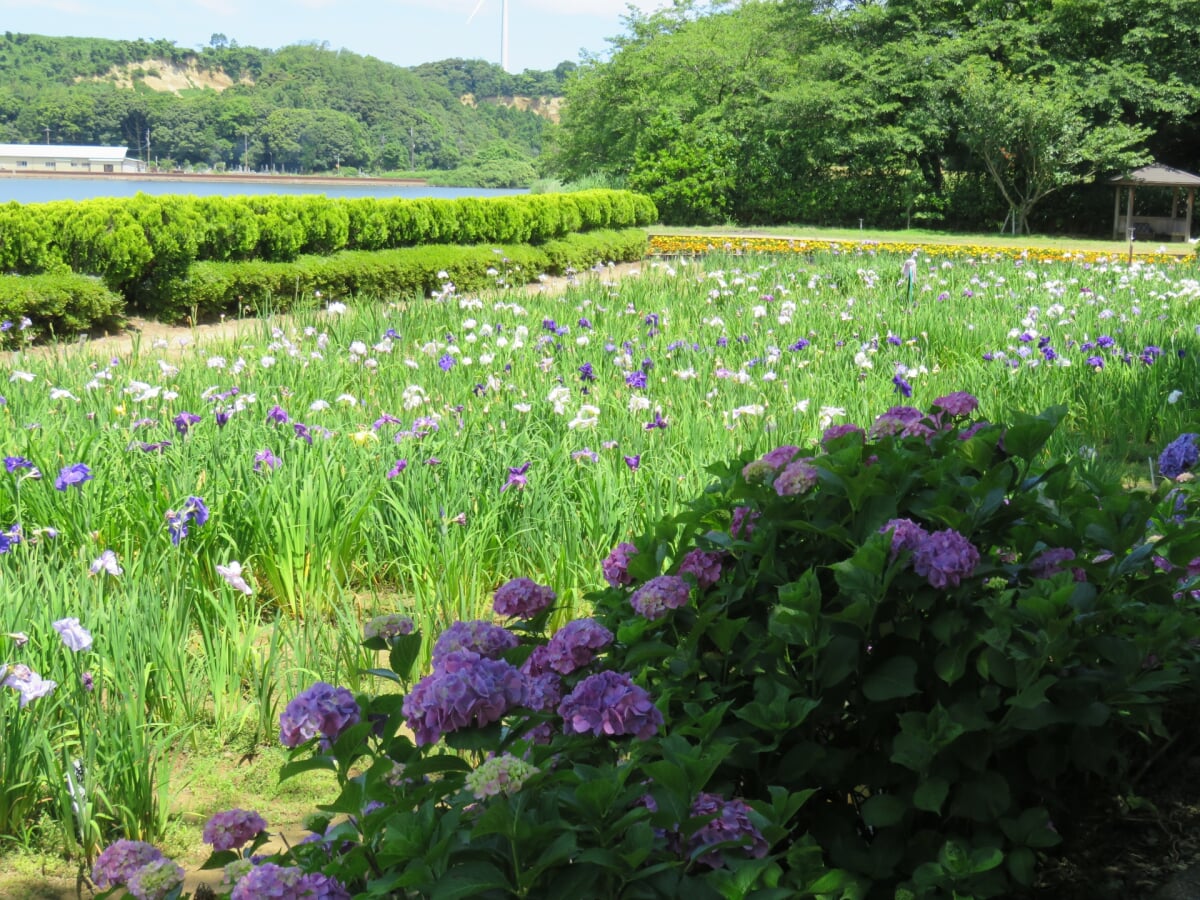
[[659, 422], [184, 421], [75, 474], [446, 363], [902, 386], [633, 462], [277, 415], [516, 477], [265, 461]]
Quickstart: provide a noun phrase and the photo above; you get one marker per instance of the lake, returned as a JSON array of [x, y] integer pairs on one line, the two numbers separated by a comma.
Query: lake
[[40, 189]]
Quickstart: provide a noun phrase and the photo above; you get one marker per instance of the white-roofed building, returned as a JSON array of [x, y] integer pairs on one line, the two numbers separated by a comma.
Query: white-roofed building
[[66, 159]]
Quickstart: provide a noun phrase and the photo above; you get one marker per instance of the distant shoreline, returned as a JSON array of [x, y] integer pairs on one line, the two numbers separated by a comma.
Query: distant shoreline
[[227, 177]]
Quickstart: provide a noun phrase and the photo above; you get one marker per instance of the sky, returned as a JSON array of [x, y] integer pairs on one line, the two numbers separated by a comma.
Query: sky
[[542, 33]]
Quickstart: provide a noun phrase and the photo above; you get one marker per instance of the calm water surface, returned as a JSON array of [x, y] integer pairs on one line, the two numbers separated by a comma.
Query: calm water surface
[[25, 189]]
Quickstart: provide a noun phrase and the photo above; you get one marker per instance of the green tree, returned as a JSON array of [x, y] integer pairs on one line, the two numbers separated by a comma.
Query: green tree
[[1033, 139]]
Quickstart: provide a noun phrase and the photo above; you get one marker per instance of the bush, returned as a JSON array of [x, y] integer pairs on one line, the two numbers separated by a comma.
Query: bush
[[58, 305], [895, 663], [212, 288]]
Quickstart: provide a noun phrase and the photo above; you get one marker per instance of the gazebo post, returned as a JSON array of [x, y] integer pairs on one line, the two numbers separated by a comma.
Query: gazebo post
[[1157, 175]]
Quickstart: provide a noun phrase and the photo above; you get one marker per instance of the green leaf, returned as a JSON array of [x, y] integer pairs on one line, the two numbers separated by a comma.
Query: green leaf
[[931, 794], [405, 650], [1022, 865], [883, 810], [312, 763], [894, 678], [469, 880]]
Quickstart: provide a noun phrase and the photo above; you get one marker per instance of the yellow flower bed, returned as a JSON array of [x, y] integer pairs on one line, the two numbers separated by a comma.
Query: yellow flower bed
[[693, 245]]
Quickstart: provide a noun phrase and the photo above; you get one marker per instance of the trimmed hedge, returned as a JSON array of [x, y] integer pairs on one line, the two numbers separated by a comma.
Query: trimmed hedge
[[212, 288], [59, 305], [144, 247]]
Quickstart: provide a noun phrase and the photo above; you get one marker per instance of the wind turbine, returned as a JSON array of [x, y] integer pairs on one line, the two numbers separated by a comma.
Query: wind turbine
[[503, 29]]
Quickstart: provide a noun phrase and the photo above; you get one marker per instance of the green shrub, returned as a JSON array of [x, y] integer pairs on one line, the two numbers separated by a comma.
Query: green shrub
[[24, 240], [58, 305], [212, 288], [896, 663]]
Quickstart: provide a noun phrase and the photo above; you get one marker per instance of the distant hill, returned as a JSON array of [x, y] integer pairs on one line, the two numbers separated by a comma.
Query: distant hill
[[302, 108]]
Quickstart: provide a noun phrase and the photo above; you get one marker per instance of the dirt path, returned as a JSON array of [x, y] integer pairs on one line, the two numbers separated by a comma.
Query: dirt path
[[171, 340]]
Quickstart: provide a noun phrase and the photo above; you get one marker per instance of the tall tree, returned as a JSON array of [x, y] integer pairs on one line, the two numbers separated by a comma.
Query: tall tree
[[1033, 139]]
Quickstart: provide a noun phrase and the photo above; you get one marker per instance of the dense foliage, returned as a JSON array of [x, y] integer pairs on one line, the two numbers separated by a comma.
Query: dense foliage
[[299, 108], [144, 247], [901, 113], [898, 662]]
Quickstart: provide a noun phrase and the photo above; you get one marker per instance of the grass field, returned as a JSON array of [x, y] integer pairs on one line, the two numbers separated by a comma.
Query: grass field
[[412, 455]]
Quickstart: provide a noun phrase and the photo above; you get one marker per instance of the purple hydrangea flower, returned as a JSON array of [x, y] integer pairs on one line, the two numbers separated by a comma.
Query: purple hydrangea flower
[[1179, 456], [287, 883], [610, 703], [523, 598], [833, 432], [958, 403], [388, 627], [73, 475], [742, 525], [119, 860], [730, 822], [156, 880], [906, 535], [944, 558], [766, 466], [904, 421], [576, 644], [322, 709], [704, 566], [1050, 562], [616, 565], [73, 635], [797, 478], [233, 828], [466, 690], [478, 636], [660, 594]]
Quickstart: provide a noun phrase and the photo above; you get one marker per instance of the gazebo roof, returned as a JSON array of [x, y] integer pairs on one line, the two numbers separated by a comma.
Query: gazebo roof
[[1157, 175]]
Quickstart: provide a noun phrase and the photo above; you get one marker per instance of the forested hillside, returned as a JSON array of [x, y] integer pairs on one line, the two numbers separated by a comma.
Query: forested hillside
[[300, 108], [899, 112]]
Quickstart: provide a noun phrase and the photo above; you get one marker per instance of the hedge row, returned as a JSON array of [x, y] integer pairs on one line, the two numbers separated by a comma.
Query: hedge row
[[56, 305], [139, 244], [211, 288]]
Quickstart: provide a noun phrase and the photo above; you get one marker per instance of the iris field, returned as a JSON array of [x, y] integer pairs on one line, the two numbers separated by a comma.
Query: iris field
[[195, 533]]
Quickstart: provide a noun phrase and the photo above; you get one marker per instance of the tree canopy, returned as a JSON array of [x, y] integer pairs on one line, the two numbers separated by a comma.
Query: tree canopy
[[964, 113], [300, 108]]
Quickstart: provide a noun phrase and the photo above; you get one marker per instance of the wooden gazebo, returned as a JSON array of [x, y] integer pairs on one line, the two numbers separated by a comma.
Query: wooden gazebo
[[1173, 227]]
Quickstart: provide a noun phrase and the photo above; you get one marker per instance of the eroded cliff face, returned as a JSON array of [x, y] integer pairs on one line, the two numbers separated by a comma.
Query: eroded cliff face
[[546, 107], [160, 75]]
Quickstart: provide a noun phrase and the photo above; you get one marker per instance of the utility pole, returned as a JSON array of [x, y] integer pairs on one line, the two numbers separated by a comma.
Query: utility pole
[[47, 128], [412, 150]]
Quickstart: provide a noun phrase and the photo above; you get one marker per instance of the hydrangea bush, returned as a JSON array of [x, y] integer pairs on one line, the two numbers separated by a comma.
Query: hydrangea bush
[[899, 662]]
